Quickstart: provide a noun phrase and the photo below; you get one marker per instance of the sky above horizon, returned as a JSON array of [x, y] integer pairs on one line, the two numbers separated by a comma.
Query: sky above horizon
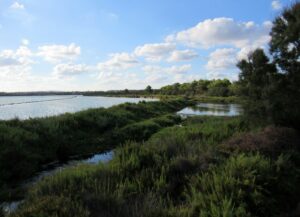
[[68, 45]]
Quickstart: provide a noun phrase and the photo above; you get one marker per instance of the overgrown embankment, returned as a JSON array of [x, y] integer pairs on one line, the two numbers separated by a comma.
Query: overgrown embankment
[[27, 145], [212, 166]]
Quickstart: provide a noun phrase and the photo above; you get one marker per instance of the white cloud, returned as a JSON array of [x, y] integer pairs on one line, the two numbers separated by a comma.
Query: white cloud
[[118, 61], [222, 59], [25, 42], [222, 64], [19, 14], [15, 64], [222, 31], [15, 58], [17, 6], [119, 81], [154, 52], [156, 79], [70, 69], [24, 51], [167, 70], [276, 5], [58, 53], [8, 58], [182, 55], [244, 52]]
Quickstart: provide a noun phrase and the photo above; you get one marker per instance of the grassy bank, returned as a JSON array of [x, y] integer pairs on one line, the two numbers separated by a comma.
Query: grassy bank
[[27, 145], [212, 166]]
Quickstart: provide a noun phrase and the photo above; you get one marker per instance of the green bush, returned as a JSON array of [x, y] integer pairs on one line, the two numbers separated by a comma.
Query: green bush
[[244, 186], [54, 206]]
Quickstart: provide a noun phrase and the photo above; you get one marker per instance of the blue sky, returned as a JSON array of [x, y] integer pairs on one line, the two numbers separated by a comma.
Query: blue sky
[[116, 44]]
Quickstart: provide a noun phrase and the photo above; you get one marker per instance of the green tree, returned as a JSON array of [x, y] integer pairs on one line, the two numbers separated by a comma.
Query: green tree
[[149, 89], [255, 80], [285, 41], [219, 87], [285, 49], [194, 85], [256, 74], [176, 89], [273, 88]]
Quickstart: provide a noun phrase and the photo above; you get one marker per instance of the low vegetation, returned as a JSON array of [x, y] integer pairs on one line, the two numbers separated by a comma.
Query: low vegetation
[[27, 145], [188, 170]]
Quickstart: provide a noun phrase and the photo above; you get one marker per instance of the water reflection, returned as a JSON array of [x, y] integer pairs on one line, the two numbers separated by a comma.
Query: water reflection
[[212, 109]]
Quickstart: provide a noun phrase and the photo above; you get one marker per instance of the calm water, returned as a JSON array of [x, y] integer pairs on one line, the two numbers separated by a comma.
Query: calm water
[[24, 107], [212, 109]]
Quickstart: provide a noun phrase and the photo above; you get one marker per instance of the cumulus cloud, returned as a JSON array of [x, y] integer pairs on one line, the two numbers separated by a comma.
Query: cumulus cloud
[[276, 5], [17, 6], [154, 52], [58, 53], [167, 70], [222, 31], [118, 61], [15, 64], [182, 55], [8, 58], [21, 56], [222, 64], [70, 69], [222, 59]]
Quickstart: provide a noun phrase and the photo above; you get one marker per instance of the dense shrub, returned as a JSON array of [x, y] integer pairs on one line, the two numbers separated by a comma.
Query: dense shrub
[[245, 186], [271, 141], [220, 88], [181, 171], [53, 206]]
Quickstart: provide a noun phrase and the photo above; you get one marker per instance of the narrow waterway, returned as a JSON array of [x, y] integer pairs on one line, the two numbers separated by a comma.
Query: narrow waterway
[[57, 167]]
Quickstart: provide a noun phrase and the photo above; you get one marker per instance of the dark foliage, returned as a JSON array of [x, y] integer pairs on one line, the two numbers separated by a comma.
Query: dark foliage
[[272, 88], [271, 141]]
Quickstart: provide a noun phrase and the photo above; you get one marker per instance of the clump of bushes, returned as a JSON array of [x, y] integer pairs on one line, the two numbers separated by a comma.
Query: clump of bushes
[[245, 185], [271, 141]]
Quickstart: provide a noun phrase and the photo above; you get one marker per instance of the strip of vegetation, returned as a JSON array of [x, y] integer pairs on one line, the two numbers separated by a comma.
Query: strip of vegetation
[[27, 145], [189, 170], [200, 88]]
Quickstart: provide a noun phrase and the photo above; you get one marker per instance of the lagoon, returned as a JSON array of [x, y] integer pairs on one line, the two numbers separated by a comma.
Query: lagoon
[[25, 107]]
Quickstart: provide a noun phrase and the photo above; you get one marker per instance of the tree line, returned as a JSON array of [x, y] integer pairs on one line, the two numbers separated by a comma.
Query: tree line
[[270, 79]]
